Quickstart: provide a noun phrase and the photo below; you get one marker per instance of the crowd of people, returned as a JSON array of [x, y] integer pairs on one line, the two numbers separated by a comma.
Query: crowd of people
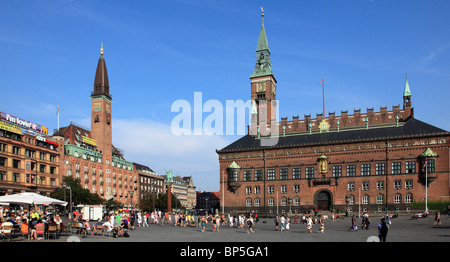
[[34, 223], [177, 219]]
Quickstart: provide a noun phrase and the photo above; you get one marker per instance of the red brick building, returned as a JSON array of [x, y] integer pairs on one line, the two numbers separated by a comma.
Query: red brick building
[[372, 160], [90, 155], [29, 162]]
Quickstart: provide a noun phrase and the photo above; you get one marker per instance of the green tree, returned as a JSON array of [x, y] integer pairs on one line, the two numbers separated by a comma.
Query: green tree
[[112, 204], [157, 201], [80, 195]]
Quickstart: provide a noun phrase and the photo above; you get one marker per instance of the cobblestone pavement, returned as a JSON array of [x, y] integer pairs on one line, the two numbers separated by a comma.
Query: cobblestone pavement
[[402, 229]]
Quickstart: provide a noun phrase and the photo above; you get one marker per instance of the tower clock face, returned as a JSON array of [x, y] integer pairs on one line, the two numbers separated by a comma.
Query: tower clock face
[[108, 109], [97, 107], [260, 87]]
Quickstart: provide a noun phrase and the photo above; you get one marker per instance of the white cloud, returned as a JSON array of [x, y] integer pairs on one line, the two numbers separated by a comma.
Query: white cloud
[[153, 144], [435, 53]]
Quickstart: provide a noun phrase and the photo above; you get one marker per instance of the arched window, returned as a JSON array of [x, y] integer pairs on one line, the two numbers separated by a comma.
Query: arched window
[[408, 198], [397, 199], [365, 200], [380, 199], [283, 201], [296, 201]]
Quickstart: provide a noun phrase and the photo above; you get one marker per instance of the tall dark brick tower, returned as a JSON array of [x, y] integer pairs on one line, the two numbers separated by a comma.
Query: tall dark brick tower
[[101, 109]]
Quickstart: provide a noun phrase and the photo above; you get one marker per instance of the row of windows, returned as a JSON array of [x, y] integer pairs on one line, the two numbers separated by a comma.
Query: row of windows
[[30, 178], [337, 171], [17, 137], [283, 201], [100, 172], [339, 148], [150, 180], [29, 166], [16, 150], [365, 186]]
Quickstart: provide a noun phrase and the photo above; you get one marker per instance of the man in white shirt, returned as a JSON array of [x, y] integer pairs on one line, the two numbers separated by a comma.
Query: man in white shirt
[[108, 226], [283, 222]]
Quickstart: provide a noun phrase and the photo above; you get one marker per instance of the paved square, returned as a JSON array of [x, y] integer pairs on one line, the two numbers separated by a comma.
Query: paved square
[[402, 229]]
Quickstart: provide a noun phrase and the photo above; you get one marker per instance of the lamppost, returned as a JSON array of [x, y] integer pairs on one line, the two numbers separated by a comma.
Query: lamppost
[[70, 202], [153, 195], [131, 199], [290, 205], [347, 201]]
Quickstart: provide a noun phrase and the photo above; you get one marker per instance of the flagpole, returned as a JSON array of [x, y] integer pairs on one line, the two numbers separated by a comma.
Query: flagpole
[[223, 192], [323, 97], [426, 185], [57, 112]]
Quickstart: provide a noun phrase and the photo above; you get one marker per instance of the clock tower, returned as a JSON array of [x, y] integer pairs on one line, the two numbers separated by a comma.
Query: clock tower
[[263, 86], [101, 109]]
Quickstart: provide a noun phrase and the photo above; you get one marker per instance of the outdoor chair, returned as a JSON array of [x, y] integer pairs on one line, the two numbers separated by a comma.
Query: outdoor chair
[[99, 229], [40, 231], [78, 228], [6, 231], [52, 230]]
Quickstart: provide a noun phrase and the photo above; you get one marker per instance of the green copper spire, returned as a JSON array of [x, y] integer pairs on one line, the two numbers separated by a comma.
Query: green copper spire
[[263, 63], [262, 40], [407, 91]]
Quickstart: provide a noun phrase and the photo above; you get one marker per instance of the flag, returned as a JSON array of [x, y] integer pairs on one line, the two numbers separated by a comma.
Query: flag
[[320, 82], [425, 165], [57, 110]]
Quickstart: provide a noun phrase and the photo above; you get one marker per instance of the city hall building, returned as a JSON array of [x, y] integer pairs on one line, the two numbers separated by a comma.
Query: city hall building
[[373, 160]]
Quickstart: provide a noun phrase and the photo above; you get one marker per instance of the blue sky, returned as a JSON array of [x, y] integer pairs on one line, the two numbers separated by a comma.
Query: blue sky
[[158, 52]]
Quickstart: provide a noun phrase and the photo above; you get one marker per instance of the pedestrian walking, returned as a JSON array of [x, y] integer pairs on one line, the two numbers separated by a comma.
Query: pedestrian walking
[[283, 222], [383, 230], [321, 225], [365, 221], [309, 224], [353, 227], [437, 219], [250, 224], [204, 221], [145, 219], [139, 219], [217, 222]]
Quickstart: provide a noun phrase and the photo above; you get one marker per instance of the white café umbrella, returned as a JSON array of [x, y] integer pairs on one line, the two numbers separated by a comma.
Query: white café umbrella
[[30, 198]]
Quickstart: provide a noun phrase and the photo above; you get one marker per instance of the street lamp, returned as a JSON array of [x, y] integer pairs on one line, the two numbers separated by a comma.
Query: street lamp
[[131, 199], [290, 205], [70, 202], [347, 201]]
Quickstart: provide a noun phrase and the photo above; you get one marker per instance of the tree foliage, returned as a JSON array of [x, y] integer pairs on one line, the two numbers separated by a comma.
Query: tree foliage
[[80, 195], [157, 201]]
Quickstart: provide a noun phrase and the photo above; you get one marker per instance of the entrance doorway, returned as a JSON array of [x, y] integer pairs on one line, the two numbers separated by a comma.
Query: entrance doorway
[[323, 200]]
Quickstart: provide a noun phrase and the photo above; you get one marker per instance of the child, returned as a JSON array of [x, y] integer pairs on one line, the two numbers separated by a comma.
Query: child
[[203, 224]]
